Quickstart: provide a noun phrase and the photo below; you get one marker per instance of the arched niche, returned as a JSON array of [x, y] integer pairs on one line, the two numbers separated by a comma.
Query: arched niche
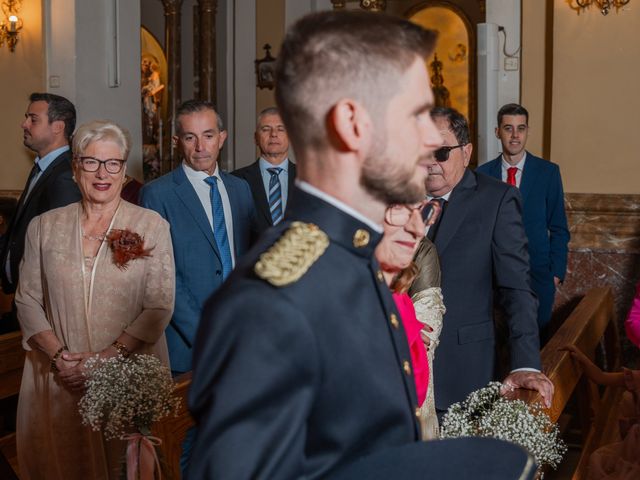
[[153, 98], [454, 76]]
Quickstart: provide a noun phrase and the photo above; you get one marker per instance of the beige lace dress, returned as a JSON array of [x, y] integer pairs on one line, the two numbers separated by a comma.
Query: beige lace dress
[[87, 306]]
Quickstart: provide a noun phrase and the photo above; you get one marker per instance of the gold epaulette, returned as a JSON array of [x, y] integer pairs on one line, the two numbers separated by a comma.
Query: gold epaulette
[[292, 255]]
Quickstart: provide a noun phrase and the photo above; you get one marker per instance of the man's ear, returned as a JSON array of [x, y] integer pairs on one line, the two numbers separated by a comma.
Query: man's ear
[[498, 132], [467, 151], [58, 127], [223, 137], [350, 126]]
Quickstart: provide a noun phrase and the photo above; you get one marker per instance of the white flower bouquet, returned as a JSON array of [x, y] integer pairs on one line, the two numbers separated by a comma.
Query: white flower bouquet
[[124, 397], [487, 414]]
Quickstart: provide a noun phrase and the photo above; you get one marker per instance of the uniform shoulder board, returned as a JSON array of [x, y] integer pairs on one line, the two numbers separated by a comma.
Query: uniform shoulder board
[[292, 255]]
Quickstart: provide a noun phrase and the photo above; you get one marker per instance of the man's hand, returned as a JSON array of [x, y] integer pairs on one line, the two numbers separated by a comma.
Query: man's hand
[[557, 282], [531, 381]]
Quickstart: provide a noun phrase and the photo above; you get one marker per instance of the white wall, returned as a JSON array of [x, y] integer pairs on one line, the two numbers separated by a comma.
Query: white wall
[[77, 63]]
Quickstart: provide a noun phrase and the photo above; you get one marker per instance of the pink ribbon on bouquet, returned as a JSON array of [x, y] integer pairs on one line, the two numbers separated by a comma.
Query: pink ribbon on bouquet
[[142, 461]]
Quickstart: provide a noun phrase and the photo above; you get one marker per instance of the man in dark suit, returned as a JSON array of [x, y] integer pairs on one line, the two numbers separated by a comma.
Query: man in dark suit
[[543, 213], [301, 364], [271, 176], [47, 128], [483, 253], [211, 214]]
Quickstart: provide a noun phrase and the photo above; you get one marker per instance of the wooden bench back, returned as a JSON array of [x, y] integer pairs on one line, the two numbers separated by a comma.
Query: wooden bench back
[[591, 324], [11, 363], [172, 430]]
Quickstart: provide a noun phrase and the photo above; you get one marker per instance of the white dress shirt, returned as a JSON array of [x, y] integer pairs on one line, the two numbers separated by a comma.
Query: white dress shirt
[[311, 190], [203, 190], [520, 166]]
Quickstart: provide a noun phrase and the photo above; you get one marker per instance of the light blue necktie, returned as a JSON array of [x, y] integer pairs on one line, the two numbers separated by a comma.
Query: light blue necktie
[[219, 227], [275, 195]]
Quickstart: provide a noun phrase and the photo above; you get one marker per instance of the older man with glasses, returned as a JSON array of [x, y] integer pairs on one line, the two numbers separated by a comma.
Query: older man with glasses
[[482, 245]]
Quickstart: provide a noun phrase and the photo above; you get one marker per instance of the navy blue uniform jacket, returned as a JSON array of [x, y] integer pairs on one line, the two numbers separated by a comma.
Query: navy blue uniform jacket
[[296, 381]]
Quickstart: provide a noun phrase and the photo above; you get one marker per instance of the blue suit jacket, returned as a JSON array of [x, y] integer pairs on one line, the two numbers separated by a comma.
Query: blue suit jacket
[[545, 224], [198, 265]]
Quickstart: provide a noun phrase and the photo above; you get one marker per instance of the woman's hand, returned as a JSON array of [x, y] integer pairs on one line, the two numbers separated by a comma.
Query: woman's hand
[[72, 370]]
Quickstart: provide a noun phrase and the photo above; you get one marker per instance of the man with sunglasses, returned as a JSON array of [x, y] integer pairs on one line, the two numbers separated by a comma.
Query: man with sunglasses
[[483, 254], [545, 220]]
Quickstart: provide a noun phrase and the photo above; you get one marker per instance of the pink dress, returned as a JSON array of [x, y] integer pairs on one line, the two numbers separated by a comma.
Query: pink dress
[[621, 460], [412, 329], [632, 323]]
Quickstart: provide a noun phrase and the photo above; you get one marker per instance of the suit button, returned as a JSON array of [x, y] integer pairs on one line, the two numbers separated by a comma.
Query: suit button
[[393, 318], [406, 366], [418, 413]]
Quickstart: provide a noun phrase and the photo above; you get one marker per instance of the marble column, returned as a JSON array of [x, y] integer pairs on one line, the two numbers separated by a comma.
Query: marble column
[[172, 42], [207, 50]]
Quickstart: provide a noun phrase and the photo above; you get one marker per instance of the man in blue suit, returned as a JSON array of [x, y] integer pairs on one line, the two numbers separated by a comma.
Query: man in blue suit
[[211, 214], [543, 213]]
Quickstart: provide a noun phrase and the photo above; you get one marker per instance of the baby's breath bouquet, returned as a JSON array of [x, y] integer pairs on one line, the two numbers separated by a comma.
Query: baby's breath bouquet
[[485, 413], [124, 397]]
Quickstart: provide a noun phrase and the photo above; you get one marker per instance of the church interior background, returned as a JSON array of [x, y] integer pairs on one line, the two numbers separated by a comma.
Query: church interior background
[[574, 69]]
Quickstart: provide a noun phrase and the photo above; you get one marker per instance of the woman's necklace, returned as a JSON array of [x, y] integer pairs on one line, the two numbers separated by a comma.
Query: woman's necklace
[[97, 238]]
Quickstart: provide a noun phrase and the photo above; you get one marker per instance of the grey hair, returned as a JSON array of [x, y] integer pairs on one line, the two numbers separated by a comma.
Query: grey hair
[[101, 130]]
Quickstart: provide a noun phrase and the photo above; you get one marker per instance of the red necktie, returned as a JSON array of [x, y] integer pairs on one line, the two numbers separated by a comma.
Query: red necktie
[[511, 175]]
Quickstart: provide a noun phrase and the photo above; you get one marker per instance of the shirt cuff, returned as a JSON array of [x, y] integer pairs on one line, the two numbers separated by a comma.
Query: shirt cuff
[[525, 369]]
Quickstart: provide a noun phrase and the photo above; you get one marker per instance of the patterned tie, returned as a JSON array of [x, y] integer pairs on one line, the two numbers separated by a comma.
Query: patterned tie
[[28, 187], [219, 227], [511, 176], [433, 229], [275, 195]]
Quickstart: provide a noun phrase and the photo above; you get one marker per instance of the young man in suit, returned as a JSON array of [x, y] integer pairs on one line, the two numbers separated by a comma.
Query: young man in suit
[[483, 251], [543, 213], [47, 128], [270, 177]]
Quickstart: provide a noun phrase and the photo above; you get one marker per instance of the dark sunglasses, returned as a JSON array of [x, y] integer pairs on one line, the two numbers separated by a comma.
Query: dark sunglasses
[[442, 154]]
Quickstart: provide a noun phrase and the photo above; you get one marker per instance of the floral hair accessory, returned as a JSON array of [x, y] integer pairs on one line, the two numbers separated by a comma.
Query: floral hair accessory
[[126, 246]]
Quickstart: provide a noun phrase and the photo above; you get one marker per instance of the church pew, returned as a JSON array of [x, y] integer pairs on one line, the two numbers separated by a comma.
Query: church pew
[[173, 429], [589, 327], [11, 363]]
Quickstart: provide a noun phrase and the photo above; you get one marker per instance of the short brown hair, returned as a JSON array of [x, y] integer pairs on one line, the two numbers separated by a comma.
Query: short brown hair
[[327, 56]]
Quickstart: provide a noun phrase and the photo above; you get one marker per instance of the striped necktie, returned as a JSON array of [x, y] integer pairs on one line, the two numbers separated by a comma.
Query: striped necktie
[[220, 227], [275, 195]]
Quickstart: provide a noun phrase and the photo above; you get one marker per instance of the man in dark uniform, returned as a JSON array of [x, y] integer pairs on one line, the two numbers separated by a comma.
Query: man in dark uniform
[[301, 365]]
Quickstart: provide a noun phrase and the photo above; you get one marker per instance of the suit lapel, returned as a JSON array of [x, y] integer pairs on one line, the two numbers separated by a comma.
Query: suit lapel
[[234, 200], [529, 175], [254, 178], [185, 192], [42, 180], [496, 168], [456, 211], [292, 178]]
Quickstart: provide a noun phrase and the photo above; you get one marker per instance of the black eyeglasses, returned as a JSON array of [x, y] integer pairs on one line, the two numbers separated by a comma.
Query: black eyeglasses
[[91, 164], [442, 154]]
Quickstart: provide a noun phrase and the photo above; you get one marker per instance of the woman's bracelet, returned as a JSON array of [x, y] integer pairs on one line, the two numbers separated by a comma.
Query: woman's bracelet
[[56, 356], [121, 348]]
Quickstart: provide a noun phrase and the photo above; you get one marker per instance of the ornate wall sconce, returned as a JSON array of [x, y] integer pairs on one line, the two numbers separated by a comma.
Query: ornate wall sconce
[[11, 24], [370, 5], [605, 6], [266, 69]]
